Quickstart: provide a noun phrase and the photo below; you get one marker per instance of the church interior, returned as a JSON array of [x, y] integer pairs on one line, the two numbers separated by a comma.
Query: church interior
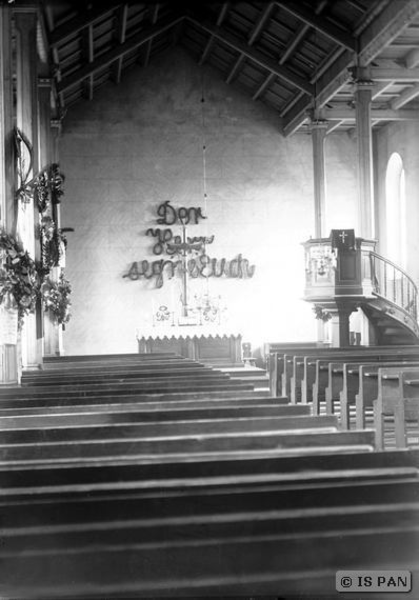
[[209, 334]]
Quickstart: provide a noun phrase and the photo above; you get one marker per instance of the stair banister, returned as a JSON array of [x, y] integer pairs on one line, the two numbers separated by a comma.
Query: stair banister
[[386, 286]]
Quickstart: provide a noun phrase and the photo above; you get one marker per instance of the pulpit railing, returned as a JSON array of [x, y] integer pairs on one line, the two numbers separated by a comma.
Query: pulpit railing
[[394, 284]]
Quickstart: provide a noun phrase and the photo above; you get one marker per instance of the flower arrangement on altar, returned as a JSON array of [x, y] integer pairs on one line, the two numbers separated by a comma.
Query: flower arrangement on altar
[[209, 308], [56, 298], [19, 276]]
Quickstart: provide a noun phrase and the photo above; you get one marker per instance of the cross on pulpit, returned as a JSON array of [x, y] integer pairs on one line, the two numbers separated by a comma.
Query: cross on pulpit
[[343, 239], [343, 236], [184, 248]]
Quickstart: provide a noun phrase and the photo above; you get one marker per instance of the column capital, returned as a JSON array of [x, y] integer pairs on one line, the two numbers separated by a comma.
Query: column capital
[[319, 124], [317, 120], [57, 125], [45, 82], [361, 76], [25, 7]]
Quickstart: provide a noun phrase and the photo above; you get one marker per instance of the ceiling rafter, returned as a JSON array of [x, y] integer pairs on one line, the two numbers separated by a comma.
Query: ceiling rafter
[[263, 86], [292, 46], [254, 55], [70, 28], [88, 50], [389, 23], [111, 55], [398, 74], [252, 38], [121, 29], [380, 88], [154, 16], [235, 68], [406, 96], [223, 13], [412, 59], [319, 23], [332, 125], [260, 24], [388, 114], [377, 35]]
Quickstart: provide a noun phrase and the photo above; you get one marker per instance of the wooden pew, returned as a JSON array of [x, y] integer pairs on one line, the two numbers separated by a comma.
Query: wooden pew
[[145, 411], [306, 368], [283, 521], [63, 403], [358, 381], [53, 361], [274, 361], [276, 439], [156, 495], [148, 386], [48, 480], [340, 378], [110, 374], [398, 399]]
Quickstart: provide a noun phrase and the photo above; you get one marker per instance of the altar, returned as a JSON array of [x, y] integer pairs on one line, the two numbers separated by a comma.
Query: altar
[[198, 343]]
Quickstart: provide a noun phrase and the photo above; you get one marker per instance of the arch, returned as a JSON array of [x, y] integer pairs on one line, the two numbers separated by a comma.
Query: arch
[[396, 225]]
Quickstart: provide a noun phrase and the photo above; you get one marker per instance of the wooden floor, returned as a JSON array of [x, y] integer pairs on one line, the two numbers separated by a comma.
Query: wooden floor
[[155, 476]]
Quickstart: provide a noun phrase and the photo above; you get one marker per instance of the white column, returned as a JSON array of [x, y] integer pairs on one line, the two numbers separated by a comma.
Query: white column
[[52, 336], [318, 129], [27, 118], [9, 363], [363, 98]]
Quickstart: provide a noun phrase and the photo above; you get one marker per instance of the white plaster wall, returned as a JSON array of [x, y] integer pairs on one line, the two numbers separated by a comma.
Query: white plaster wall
[[139, 144], [402, 138]]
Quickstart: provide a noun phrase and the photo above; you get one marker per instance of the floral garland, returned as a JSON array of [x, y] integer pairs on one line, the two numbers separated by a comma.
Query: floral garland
[[24, 163], [46, 187], [321, 314], [53, 243], [19, 276], [56, 298], [23, 281]]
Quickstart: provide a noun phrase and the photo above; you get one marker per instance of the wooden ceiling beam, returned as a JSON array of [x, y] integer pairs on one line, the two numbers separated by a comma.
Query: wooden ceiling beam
[[253, 36], [393, 19], [319, 23], [398, 74], [154, 16], [223, 13], [296, 99], [256, 56], [89, 54], [235, 68], [386, 114], [121, 32], [405, 97], [334, 125], [263, 86], [260, 24], [412, 59], [385, 28], [69, 29], [112, 55], [297, 38], [380, 88]]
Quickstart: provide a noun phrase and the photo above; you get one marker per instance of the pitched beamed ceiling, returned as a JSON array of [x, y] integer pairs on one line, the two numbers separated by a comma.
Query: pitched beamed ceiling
[[294, 56]]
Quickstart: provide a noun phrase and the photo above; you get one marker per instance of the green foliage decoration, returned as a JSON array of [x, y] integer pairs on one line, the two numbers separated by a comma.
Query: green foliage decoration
[[56, 298], [19, 276], [321, 314]]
